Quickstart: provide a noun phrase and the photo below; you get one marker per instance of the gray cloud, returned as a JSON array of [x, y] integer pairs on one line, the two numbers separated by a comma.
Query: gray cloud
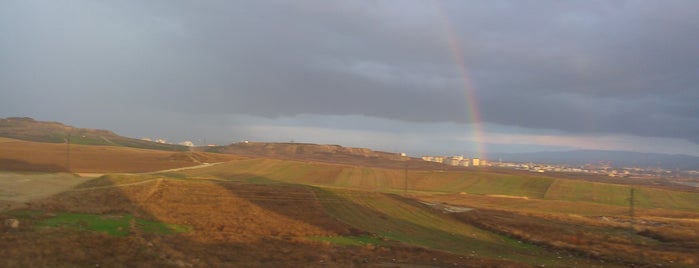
[[608, 67]]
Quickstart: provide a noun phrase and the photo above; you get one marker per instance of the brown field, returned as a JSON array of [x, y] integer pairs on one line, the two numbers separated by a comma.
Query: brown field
[[233, 225], [18, 188], [252, 212], [19, 155], [652, 236]]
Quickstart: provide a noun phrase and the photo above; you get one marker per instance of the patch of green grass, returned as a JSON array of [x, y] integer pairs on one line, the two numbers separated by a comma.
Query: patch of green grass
[[116, 225], [113, 225], [349, 240], [506, 185]]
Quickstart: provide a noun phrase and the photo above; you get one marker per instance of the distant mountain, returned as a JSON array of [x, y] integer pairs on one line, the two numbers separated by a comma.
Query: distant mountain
[[24, 128], [616, 158]]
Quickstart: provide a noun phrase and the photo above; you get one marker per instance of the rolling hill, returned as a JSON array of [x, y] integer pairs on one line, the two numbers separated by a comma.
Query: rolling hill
[[20, 155], [308, 205], [24, 128], [268, 212], [328, 154]]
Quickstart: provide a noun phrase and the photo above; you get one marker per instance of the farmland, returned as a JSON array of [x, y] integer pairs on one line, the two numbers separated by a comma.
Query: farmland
[[427, 182], [18, 155], [259, 211]]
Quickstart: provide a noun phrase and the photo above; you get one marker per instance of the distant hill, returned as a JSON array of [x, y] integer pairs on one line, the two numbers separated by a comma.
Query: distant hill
[[24, 128], [327, 153], [617, 158]]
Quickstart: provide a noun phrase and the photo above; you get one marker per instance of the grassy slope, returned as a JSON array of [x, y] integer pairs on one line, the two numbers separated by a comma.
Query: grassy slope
[[116, 225], [404, 220], [361, 197], [38, 156], [469, 182], [53, 132], [366, 199]]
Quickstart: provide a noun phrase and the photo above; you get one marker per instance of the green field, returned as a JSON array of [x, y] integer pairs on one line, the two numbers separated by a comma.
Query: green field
[[525, 219], [445, 182], [395, 218], [362, 240], [116, 225]]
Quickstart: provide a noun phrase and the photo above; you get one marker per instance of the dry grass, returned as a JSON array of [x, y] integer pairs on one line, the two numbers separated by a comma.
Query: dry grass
[[234, 225], [647, 240], [258, 212], [50, 157], [22, 187]]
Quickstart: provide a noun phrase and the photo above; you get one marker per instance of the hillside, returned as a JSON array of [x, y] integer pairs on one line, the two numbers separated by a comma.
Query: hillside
[[525, 188], [23, 128], [309, 205], [231, 224], [329, 154], [19, 155], [260, 211], [253, 212]]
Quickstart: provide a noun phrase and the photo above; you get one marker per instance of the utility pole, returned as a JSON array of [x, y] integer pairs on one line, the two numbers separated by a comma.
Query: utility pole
[[632, 202], [68, 153], [405, 188]]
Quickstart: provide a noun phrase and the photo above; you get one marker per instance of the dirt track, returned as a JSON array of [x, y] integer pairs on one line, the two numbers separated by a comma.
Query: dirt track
[[17, 188], [21, 187]]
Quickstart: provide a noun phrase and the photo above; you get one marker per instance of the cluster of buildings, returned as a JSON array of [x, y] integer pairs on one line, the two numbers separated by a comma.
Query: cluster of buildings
[[163, 141], [601, 168], [458, 160]]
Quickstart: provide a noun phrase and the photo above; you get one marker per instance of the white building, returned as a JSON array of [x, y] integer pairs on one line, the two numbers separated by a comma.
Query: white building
[[475, 162], [187, 143], [452, 161]]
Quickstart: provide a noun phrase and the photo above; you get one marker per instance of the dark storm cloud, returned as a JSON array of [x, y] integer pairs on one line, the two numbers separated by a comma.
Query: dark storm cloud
[[588, 66]]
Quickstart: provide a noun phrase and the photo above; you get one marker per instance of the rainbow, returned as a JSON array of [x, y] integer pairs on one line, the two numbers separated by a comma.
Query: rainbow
[[467, 84]]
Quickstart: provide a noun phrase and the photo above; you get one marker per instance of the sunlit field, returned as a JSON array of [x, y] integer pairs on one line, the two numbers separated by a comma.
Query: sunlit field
[[312, 213]]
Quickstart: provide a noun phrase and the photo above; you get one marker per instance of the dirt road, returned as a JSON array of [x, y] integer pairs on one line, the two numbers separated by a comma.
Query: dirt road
[[17, 188]]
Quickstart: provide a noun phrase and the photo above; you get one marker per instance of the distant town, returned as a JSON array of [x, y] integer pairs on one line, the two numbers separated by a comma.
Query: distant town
[[604, 168], [600, 168]]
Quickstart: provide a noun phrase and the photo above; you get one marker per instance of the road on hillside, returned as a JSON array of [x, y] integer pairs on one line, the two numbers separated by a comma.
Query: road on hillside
[[18, 188]]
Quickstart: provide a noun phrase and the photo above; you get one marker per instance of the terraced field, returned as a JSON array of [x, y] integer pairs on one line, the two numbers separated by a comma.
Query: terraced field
[[405, 220], [255, 212], [420, 182]]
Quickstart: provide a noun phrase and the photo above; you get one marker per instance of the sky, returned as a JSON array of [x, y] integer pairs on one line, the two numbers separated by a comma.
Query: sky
[[422, 77]]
